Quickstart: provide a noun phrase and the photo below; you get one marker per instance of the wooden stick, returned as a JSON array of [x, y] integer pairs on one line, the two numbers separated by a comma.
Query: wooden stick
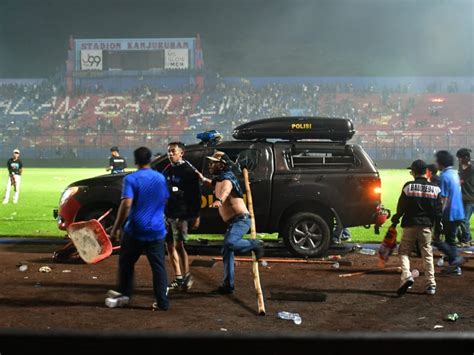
[[253, 233], [290, 261], [396, 268]]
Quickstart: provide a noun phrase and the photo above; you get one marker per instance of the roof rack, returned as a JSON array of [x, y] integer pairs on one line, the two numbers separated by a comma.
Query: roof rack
[[297, 128]]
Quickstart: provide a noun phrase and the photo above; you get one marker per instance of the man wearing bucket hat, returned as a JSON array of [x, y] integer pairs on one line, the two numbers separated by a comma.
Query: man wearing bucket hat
[[420, 206], [233, 211], [15, 168]]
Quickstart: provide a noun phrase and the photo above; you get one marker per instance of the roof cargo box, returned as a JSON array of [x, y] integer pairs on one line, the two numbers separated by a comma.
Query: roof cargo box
[[297, 128]]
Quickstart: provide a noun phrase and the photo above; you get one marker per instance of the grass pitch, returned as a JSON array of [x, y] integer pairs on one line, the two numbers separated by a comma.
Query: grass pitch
[[41, 189]]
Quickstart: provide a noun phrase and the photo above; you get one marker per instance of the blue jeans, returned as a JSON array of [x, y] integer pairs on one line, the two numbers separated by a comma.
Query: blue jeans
[[233, 242], [448, 247], [130, 250], [466, 224]]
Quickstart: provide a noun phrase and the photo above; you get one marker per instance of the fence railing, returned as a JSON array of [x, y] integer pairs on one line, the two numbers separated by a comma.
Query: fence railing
[[71, 146]]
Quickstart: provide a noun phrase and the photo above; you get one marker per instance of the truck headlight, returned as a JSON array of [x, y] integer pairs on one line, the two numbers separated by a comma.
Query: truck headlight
[[69, 192]]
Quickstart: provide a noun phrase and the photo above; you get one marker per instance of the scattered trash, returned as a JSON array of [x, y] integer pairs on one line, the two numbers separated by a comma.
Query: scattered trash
[[26, 277], [333, 257], [421, 318], [66, 271], [264, 263], [452, 317], [356, 247], [37, 285], [335, 266], [223, 329], [367, 251], [44, 269], [440, 261], [415, 273], [23, 268], [94, 277], [468, 251], [295, 317], [437, 326]]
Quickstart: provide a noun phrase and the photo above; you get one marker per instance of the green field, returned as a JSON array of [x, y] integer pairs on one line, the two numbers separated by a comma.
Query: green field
[[42, 187]]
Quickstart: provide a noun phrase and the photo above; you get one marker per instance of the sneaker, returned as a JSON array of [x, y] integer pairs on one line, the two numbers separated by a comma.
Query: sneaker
[[155, 307], [187, 282], [176, 284], [113, 302], [405, 286], [430, 290], [457, 271], [224, 290]]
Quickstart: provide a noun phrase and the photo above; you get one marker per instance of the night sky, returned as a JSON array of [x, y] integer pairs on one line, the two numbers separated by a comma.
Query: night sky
[[254, 37]]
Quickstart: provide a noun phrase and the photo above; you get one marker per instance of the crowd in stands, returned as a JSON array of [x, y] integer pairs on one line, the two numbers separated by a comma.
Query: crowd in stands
[[42, 110]]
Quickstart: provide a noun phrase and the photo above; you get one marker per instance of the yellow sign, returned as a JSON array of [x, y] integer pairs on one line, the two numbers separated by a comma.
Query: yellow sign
[[301, 126]]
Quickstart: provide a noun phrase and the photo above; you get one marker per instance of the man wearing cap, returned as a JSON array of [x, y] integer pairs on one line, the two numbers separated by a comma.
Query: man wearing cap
[[117, 164], [453, 210], [420, 206], [466, 175], [15, 168], [229, 200]]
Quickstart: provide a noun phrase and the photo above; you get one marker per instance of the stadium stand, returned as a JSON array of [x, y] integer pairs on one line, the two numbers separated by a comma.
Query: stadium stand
[[388, 120]]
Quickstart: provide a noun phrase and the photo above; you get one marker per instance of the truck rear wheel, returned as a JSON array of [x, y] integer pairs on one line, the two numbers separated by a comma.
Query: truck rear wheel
[[306, 234]]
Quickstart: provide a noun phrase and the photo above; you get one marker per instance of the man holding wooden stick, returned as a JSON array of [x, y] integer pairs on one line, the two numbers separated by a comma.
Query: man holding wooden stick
[[229, 200]]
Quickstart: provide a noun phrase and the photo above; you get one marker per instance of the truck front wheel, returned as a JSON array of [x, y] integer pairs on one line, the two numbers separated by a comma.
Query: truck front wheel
[[306, 234]]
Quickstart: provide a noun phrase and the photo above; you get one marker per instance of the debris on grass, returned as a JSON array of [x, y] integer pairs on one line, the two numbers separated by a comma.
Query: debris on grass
[[23, 268], [66, 271], [437, 326]]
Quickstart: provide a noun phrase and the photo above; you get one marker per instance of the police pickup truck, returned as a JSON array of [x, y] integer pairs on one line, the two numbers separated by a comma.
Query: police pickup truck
[[307, 182]]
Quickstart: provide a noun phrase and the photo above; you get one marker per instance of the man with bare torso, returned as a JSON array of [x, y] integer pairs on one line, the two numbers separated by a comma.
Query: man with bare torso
[[229, 200]]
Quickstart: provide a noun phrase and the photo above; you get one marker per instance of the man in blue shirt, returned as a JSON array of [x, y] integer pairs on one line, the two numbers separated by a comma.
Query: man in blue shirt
[[144, 197], [453, 210]]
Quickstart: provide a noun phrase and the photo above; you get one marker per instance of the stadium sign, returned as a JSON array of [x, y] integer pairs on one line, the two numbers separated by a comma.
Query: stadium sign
[[134, 44], [91, 60], [176, 59]]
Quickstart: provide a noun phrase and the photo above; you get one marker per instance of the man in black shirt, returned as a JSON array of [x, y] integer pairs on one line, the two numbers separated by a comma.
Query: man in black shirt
[[117, 164], [182, 212], [421, 207], [15, 168], [466, 175]]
